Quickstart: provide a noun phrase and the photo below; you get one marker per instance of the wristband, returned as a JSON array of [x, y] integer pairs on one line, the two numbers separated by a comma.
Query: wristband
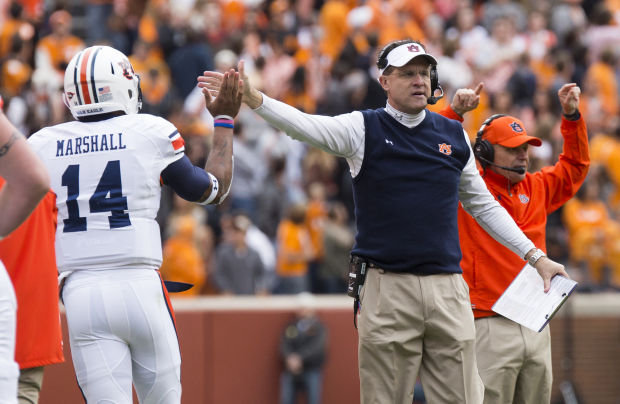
[[574, 116], [223, 121], [538, 254]]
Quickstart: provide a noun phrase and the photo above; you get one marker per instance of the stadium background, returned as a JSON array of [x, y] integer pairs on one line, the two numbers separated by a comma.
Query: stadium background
[[319, 56]]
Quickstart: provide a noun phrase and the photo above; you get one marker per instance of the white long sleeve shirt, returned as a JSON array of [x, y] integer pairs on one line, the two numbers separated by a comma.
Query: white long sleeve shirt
[[344, 136]]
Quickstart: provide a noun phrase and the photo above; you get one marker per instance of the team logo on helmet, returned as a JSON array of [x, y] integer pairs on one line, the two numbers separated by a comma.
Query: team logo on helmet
[[516, 127], [445, 149], [127, 69]]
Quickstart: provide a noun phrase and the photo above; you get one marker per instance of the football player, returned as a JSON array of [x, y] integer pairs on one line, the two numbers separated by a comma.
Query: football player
[[106, 169]]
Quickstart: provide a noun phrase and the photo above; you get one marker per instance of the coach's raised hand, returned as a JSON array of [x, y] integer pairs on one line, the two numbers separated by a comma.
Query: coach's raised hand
[[212, 82], [466, 99]]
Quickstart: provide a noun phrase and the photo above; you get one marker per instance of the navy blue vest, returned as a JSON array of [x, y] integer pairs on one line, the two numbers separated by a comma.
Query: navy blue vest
[[406, 194]]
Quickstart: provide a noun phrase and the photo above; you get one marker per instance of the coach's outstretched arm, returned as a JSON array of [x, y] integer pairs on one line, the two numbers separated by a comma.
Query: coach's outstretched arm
[[27, 180], [223, 108]]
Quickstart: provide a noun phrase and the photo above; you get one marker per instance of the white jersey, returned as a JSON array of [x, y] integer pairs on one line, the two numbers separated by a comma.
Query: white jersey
[[106, 177]]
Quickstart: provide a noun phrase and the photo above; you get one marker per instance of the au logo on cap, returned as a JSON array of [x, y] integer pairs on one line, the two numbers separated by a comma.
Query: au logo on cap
[[413, 48], [516, 127]]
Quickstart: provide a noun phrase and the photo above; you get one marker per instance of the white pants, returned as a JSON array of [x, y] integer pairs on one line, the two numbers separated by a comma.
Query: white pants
[[9, 370], [121, 329]]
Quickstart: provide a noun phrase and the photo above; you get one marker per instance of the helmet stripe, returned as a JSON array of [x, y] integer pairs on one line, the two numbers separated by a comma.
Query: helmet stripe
[[92, 75], [83, 82], [75, 80]]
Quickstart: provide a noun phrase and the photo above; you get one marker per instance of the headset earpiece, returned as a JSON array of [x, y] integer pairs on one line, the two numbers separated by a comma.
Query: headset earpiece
[[434, 79], [434, 76], [483, 149], [382, 61]]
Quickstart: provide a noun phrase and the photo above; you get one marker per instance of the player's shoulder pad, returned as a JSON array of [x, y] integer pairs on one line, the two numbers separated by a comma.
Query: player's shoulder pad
[[39, 138], [154, 127]]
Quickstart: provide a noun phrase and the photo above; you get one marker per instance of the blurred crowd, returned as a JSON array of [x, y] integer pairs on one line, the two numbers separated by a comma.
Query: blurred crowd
[[286, 226]]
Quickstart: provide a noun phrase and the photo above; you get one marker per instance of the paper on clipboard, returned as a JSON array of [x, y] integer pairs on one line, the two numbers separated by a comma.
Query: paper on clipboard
[[526, 303]]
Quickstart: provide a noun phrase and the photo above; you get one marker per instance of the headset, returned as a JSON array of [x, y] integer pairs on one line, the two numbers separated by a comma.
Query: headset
[[483, 149], [382, 64]]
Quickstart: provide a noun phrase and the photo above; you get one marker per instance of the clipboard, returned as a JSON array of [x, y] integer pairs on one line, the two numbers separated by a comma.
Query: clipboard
[[526, 303]]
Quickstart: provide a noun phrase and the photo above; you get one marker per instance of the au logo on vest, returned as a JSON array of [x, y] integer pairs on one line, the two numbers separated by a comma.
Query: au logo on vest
[[445, 149], [524, 198]]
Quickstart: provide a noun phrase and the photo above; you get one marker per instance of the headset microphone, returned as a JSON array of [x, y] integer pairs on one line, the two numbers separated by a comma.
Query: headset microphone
[[518, 170], [433, 99]]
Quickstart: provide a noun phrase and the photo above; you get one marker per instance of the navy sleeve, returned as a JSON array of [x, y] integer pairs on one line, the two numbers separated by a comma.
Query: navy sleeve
[[187, 180]]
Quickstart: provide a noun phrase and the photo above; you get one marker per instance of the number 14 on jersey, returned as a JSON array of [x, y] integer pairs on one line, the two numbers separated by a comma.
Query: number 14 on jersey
[[108, 197]]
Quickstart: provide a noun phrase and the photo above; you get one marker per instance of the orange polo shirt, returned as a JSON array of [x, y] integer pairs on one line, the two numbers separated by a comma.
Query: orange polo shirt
[[488, 266], [30, 259]]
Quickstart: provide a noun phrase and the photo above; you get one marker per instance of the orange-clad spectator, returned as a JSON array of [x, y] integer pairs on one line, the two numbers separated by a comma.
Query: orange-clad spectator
[[614, 8], [396, 22], [54, 51], [182, 259], [294, 252], [154, 73], [15, 71], [14, 25], [154, 13], [601, 77], [33, 9], [316, 216], [593, 236], [333, 22], [297, 94], [233, 15], [606, 152], [30, 259]]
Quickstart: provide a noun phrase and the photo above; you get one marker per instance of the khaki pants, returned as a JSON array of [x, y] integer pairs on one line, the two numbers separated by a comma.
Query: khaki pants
[[30, 381], [410, 325], [514, 362]]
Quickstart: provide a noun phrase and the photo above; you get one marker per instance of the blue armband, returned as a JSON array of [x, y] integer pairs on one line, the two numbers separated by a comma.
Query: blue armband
[[187, 180]]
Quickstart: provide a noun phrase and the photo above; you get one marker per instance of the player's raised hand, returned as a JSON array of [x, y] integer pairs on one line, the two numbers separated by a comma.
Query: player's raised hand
[[227, 99], [569, 98], [466, 99]]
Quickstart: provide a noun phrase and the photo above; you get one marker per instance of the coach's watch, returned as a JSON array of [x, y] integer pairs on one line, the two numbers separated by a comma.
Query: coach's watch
[[536, 256]]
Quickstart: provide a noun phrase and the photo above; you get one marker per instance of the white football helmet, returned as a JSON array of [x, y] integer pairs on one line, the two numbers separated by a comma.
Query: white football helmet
[[100, 79]]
